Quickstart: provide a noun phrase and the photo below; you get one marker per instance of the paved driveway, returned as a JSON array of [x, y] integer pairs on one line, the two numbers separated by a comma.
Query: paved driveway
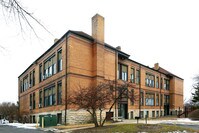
[[11, 129]]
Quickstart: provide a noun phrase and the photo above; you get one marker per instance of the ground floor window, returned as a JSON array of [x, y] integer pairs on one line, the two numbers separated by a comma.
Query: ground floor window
[[157, 113], [153, 113], [131, 114], [59, 118], [147, 114], [142, 114]]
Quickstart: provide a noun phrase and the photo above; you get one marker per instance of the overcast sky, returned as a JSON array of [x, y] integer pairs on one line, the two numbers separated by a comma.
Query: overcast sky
[[163, 31]]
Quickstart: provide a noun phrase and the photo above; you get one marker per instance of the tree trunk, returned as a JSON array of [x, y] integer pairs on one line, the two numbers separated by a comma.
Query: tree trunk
[[95, 119], [101, 118]]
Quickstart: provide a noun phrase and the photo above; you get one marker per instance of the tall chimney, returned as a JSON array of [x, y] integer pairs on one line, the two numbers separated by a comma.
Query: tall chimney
[[98, 28], [156, 66]]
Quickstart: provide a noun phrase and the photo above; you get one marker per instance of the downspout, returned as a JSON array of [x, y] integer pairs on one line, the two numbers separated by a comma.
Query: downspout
[[140, 92], [66, 77], [116, 67], [161, 102]]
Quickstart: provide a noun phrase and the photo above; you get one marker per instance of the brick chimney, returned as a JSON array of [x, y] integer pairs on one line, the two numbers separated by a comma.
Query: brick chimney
[[98, 28], [55, 40], [156, 66]]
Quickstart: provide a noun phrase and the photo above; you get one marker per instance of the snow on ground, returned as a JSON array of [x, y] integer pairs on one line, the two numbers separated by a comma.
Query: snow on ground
[[20, 125], [181, 121]]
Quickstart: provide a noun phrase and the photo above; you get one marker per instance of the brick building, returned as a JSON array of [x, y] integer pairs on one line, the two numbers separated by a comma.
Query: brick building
[[78, 58]]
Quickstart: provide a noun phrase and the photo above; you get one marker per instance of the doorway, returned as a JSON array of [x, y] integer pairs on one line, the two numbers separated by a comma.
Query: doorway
[[123, 110]]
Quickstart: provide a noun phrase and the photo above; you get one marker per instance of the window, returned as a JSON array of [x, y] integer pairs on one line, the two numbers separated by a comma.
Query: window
[[141, 98], [40, 73], [30, 101], [40, 98], [30, 80], [137, 76], [147, 114], [123, 94], [161, 83], [59, 93], [141, 114], [166, 84], [166, 99], [161, 100], [132, 97], [122, 72], [33, 78], [157, 113], [25, 83], [157, 99], [50, 67], [157, 82], [49, 96], [153, 113], [150, 80], [132, 75], [34, 100], [149, 99], [21, 84], [59, 61]]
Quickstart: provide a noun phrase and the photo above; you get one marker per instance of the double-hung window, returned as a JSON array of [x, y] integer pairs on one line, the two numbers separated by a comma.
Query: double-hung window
[[122, 72]]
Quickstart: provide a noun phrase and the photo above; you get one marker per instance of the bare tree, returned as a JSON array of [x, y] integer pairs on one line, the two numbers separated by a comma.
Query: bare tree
[[15, 9], [102, 96], [195, 94], [9, 110]]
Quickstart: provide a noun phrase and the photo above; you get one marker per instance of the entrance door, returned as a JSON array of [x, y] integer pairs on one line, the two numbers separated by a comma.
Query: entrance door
[[166, 109], [123, 110]]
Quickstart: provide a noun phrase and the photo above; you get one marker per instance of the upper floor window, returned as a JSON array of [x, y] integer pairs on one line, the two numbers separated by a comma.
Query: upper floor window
[[33, 78], [132, 97], [149, 99], [161, 83], [132, 75], [59, 61], [40, 73], [166, 99], [150, 80], [34, 103], [21, 84], [30, 101], [157, 99], [30, 80], [166, 84], [59, 93], [122, 72], [40, 98], [141, 98], [25, 83], [137, 76], [49, 67], [49, 96], [157, 82]]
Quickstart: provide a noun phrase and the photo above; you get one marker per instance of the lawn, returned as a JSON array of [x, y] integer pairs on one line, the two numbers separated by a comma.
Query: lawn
[[134, 128]]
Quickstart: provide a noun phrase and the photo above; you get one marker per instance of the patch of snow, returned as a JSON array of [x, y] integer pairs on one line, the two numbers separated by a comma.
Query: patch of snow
[[181, 121], [20, 125], [4, 121]]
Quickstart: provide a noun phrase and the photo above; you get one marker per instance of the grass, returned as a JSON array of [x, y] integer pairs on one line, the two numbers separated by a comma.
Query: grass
[[135, 128]]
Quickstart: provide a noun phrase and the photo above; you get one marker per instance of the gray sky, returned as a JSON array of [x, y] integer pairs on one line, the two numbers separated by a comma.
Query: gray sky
[[152, 31]]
